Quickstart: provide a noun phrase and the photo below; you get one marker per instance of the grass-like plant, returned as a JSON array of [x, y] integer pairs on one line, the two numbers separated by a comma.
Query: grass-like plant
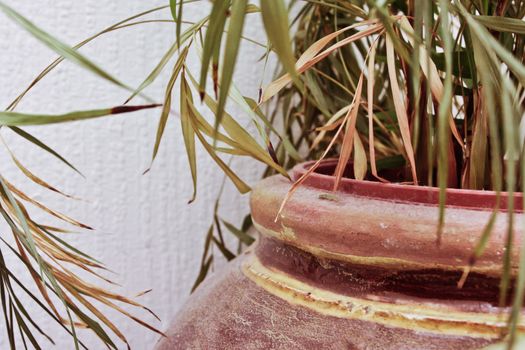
[[430, 92]]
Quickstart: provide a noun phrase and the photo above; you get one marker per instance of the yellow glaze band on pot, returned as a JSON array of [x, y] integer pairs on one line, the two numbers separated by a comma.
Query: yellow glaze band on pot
[[417, 317]]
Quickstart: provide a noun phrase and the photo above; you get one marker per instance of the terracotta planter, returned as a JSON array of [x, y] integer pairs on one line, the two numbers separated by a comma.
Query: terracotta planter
[[355, 269]]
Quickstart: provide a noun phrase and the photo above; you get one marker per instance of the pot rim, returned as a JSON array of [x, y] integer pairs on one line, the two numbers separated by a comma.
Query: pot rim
[[396, 192]]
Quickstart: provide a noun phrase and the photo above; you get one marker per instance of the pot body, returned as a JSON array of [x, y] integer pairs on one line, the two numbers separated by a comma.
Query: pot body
[[350, 270]]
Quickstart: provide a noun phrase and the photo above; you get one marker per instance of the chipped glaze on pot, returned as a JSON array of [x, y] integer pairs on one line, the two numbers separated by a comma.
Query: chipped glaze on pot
[[354, 269]]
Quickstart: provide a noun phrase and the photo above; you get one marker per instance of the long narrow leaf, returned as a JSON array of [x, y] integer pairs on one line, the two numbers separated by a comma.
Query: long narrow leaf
[[43, 146], [21, 119], [400, 107], [186, 101], [275, 19], [212, 41], [167, 101], [231, 49]]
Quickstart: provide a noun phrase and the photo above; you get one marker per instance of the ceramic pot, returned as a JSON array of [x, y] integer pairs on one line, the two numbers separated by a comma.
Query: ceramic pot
[[354, 269]]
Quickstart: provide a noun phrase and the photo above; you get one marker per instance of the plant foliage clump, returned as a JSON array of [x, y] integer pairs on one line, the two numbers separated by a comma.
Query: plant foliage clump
[[420, 92]]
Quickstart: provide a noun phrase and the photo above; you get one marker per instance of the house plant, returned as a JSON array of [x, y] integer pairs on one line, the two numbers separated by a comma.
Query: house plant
[[442, 108]]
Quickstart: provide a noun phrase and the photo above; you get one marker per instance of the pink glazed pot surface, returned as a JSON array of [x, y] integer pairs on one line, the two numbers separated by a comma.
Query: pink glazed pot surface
[[354, 269]]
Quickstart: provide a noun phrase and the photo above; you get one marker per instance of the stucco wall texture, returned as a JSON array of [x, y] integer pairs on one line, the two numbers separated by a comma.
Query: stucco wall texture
[[144, 229]]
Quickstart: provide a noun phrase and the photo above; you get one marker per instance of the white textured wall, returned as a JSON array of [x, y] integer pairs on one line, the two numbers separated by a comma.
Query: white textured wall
[[145, 231]]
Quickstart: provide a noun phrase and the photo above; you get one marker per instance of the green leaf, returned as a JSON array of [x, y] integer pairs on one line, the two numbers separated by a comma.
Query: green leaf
[[510, 129], [488, 41], [251, 107], [20, 213], [212, 41], [24, 312], [242, 138], [58, 46], [207, 129], [32, 296], [186, 100], [444, 110], [8, 325], [242, 187], [20, 119], [478, 153], [25, 330], [460, 63], [42, 145], [202, 273], [481, 244], [179, 22], [167, 101], [69, 246], [206, 260], [275, 19], [119, 25], [166, 58], [224, 250], [29, 293], [502, 24], [173, 9], [241, 235], [93, 325], [238, 14]]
